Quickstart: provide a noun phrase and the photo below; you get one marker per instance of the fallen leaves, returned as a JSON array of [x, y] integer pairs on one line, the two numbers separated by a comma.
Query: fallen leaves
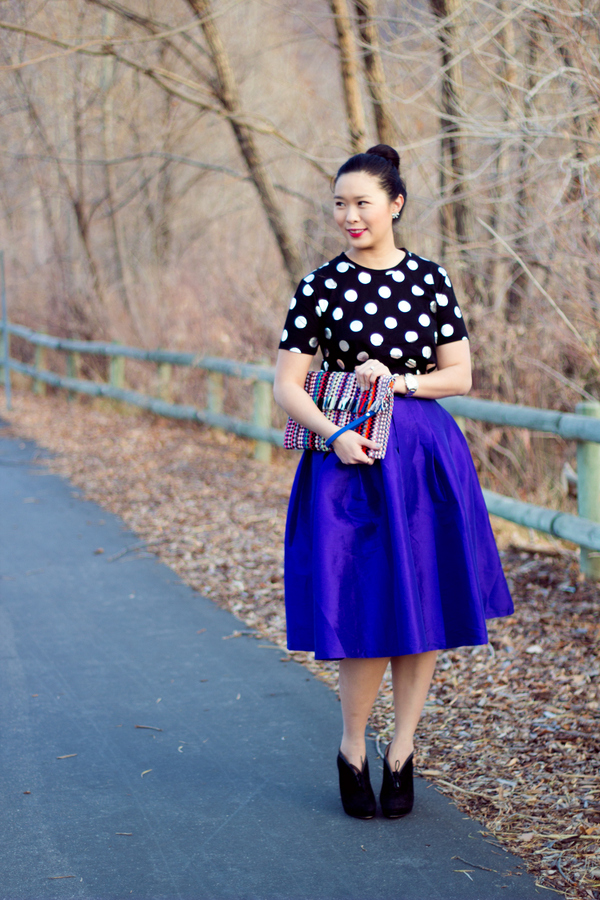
[[510, 730]]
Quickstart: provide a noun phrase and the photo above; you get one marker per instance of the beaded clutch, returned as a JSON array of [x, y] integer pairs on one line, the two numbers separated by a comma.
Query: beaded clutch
[[339, 397]]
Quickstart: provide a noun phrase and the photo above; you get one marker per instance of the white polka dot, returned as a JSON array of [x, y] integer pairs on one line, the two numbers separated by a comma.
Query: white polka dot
[[412, 264], [390, 322], [325, 352], [464, 338], [433, 306], [310, 277], [330, 283], [435, 336], [428, 278], [442, 271], [364, 277], [371, 308], [362, 356], [395, 352], [411, 336], [397, 276], [404, 306], [295, 350], [447, 330], [284, 336], [307, 290], [384, 291], [376, 340], [424, 320], [448, 282], [351, 296], [337, 313], [342, 267], [314, 342], [457, 312], [318, 311], [345, 346], [323, 304], [340, 363], [356, 325], [417, 291], [411, 363], [427, 352], [300, 322], [442, 299], [293, 303], [325, 366], [328, 333]]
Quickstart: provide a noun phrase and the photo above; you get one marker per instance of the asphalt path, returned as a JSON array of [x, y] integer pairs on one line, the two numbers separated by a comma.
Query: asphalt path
[[230, 791]]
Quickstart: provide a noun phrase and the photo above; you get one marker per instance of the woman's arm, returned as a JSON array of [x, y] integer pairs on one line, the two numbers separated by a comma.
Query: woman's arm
[[452, 376], [289, 393]]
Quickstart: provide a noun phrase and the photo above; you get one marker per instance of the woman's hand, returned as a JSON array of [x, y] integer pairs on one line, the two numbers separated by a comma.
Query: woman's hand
[[350, 448], [368, 372]]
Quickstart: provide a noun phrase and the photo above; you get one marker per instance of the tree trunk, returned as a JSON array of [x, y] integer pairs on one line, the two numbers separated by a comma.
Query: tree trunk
[[349, 65], [106, 80], [365, 11], [228, 94], [501, 220], [457, 227]]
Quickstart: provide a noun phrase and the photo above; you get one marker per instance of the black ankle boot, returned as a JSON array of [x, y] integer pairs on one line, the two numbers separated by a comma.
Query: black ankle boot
[[357, 794], [397, 792]]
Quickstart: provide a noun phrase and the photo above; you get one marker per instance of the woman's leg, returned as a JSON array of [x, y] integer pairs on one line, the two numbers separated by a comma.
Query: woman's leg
[[359, 683], [411, 677]]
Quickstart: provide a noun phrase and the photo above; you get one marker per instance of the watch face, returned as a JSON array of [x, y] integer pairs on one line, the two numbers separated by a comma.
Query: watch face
[[411, 382]]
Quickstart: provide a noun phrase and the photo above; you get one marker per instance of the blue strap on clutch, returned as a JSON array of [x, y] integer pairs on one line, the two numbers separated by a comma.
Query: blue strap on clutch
[[372, 412]]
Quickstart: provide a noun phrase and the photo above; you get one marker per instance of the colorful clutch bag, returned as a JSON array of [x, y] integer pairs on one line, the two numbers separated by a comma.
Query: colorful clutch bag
[[339, 397]]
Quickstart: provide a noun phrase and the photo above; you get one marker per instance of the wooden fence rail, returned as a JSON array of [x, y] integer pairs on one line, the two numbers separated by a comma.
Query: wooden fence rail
[[582, 426]]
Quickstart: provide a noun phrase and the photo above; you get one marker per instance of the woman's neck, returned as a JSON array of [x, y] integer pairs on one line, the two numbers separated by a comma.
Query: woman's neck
[[373, 258]]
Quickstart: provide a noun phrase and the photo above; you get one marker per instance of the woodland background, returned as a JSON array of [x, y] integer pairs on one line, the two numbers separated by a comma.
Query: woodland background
[[165, 175]]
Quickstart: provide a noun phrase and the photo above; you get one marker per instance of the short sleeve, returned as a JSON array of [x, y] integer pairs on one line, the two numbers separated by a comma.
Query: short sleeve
[[301, 332], [450, 323]]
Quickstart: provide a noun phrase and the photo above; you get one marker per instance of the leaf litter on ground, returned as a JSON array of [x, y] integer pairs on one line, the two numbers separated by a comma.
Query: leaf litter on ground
[[510, 730]]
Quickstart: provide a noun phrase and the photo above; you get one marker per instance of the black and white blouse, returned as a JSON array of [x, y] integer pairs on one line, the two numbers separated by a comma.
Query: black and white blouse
[[398, 316]]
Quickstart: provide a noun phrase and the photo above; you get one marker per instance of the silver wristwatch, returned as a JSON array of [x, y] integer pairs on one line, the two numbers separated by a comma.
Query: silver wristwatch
[[412, 384]]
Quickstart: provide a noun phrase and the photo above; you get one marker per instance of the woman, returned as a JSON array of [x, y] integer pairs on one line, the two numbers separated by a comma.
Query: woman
[[393, 559]]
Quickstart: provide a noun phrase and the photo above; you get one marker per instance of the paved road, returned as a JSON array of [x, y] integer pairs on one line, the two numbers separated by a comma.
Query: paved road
[[235, 796]]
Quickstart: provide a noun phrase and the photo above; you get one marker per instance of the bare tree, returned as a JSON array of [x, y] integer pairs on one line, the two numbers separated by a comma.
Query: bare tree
[[350, 71], [375, 75]]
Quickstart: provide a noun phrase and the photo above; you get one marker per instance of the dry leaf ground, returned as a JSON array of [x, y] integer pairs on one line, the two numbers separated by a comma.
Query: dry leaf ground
[[510, 730]]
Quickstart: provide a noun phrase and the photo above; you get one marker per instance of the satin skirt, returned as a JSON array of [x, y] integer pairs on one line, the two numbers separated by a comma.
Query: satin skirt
[[397, 557]]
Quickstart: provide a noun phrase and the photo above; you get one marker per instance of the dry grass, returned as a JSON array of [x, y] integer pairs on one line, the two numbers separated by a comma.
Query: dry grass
[[510, 730]]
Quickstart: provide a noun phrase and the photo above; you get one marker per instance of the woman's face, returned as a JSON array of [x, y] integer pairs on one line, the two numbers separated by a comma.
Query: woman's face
[[362, 210]]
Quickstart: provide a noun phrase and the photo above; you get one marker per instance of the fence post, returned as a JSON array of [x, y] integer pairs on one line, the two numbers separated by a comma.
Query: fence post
[[588, 488], [216, 392], [262, 416], [39, 387], [5, 335], [73, 369], [117, 371], [164, 371]]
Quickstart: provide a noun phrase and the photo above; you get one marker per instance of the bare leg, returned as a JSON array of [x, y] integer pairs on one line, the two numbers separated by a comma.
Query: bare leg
[[359, 683], [411, 677]]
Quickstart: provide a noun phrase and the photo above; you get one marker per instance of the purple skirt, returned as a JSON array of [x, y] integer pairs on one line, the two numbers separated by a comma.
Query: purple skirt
[[394, 558]]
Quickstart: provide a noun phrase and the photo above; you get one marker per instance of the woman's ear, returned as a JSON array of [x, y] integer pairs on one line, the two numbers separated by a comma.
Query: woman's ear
[[398, 203]]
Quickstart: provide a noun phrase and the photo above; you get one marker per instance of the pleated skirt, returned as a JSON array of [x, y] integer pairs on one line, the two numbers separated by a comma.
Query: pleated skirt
[[392, 558]]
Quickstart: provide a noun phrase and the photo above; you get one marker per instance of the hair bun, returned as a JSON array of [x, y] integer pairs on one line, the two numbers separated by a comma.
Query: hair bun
[[386, 152]]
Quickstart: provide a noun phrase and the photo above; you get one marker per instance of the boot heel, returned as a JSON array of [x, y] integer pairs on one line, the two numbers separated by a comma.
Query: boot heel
[[356, 792], [397, 795]]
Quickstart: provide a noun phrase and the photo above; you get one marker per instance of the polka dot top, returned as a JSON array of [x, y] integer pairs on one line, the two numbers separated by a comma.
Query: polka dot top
[[398, 316]]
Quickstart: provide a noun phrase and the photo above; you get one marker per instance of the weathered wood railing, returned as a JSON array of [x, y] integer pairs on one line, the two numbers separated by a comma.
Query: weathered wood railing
[[583, 426]]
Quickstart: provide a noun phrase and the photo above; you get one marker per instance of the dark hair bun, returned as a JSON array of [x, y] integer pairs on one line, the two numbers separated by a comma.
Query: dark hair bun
[[386, 152]]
